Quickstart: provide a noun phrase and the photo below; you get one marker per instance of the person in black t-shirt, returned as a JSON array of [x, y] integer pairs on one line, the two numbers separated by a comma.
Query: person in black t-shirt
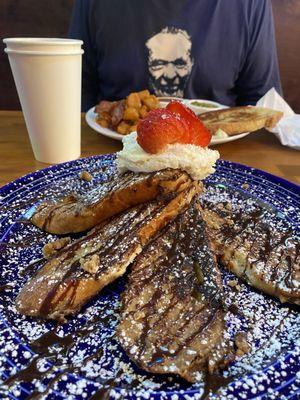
[[221, 50]]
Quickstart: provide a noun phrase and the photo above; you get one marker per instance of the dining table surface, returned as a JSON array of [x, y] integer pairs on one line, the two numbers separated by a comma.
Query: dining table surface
[[259, 149]]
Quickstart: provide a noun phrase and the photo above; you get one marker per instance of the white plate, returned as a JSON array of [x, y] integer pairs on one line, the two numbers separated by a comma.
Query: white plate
[[90, 118], [228, 139]]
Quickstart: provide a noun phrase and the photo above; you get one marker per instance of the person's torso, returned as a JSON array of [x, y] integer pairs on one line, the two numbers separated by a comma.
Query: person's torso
[[187, 48]]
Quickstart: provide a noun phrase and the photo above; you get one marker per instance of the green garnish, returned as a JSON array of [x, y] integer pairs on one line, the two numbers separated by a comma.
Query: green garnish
[[204, 105]]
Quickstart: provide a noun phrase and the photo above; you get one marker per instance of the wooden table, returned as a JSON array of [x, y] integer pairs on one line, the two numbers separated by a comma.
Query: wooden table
[[260, 150]]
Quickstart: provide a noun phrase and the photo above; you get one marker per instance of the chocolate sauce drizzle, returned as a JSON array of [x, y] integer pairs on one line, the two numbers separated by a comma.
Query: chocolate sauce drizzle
[[32, 267], [50, 346], [4, 288], [183, 243], [264, 240], [122, 238], [213, 383], [90, 198]]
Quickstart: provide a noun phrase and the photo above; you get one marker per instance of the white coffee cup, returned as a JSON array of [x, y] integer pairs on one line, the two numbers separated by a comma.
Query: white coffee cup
[[47, 74]]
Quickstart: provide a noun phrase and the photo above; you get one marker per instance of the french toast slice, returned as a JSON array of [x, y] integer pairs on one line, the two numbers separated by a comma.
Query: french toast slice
[[240, 119], [172, 320], [80, 270], [77, 214], [266, 255]]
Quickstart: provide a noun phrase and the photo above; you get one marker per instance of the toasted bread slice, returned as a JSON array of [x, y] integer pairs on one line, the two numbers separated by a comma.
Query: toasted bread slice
[[261, 253], [77, 214], [79, 271], [172, 321], [240, 119]]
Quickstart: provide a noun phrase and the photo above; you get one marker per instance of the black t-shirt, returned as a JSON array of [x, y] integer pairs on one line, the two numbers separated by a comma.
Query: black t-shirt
[[222, 50]]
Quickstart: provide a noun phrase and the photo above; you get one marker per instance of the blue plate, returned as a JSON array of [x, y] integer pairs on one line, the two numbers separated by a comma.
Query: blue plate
[[81, 358]]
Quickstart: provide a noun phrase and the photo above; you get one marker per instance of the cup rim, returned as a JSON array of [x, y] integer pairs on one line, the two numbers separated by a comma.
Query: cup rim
[[43, 53], [42, 41]]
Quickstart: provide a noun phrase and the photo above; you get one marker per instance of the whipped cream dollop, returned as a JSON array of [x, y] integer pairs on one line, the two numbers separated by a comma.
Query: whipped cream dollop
[[197, 161]]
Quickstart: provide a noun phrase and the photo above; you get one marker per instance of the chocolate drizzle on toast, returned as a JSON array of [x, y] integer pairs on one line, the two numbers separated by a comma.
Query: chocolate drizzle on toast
[[63, 284], [78, 213], [164, 327], [263, 254]]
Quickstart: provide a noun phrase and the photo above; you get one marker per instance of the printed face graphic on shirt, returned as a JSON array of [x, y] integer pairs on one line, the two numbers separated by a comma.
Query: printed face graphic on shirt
[[169, 61]]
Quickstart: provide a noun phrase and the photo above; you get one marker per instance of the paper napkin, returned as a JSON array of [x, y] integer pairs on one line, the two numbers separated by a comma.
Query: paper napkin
[[288, 128]]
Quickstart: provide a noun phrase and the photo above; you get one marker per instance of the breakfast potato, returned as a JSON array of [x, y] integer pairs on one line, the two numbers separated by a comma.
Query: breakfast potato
[[133, 100], [123, 115], [143, 94], [131, 114], [151, 102], [143, 111], [123, 128]]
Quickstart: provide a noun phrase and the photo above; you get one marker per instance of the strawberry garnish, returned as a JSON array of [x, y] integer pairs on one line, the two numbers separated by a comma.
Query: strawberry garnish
[[199, 134], [173, 124], [159, 128]]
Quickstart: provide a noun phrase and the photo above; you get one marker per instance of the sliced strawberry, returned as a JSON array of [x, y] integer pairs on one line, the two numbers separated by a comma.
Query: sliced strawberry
[[160, 128], [199, 134]]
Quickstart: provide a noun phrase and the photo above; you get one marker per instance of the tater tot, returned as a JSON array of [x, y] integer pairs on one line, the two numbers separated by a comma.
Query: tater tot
[[143, 94], [143, 111], [151, 102], [131, 114], [133, 100], [123, 128]]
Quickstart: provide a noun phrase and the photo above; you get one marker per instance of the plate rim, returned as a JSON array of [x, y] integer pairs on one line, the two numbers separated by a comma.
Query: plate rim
[[283, 181]]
